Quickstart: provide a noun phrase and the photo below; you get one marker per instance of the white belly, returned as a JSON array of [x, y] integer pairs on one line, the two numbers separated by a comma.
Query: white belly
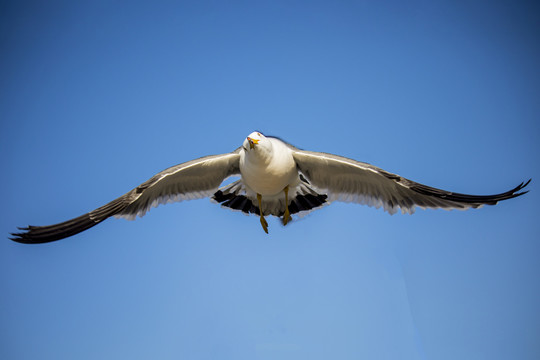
[[268, 177]]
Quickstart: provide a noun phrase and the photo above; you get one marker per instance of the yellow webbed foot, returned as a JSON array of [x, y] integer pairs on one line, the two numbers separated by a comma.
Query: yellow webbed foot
[[286, 215], [263, 220], [264, 224]]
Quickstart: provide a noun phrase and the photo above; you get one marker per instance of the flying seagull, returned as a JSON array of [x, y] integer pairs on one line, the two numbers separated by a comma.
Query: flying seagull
[[277, 179]]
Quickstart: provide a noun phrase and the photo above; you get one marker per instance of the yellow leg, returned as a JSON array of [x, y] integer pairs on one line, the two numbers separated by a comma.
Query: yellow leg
[[263, 220], [287, 215]]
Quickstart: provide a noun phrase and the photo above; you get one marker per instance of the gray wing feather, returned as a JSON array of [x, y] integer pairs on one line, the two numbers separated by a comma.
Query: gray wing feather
[[354, 181], [190, 180], [194, 179]]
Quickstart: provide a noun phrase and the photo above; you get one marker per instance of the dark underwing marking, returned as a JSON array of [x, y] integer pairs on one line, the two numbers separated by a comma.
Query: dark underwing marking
[[241, 202]]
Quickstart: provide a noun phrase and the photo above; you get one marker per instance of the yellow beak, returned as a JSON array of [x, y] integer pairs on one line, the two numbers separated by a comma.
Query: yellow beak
[[252, 142]]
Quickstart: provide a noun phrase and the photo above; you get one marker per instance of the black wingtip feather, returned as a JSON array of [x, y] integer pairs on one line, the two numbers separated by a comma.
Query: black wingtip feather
[[20, 238], [44, 234], [471, 200]]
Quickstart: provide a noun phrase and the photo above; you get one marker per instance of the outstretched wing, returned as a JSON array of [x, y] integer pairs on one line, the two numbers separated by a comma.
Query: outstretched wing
[[191, 180], [349, 180]]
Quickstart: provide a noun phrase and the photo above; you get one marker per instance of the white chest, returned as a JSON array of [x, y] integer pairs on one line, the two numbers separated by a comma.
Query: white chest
[[268, 172]]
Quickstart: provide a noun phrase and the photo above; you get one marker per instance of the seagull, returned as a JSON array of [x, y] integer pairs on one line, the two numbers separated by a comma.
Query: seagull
[[276, 179]]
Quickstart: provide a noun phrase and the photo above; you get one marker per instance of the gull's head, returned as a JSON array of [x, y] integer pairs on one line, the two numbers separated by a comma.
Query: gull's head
[[253, 140]]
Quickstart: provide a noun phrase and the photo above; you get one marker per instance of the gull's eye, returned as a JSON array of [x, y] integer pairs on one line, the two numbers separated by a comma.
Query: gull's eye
[[259, 134]]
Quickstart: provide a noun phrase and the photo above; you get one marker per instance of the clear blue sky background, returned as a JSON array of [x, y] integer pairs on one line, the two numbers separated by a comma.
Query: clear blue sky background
[[98, 96]]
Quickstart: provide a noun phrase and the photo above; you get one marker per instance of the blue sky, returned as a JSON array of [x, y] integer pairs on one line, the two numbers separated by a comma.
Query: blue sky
[[98, 96]]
